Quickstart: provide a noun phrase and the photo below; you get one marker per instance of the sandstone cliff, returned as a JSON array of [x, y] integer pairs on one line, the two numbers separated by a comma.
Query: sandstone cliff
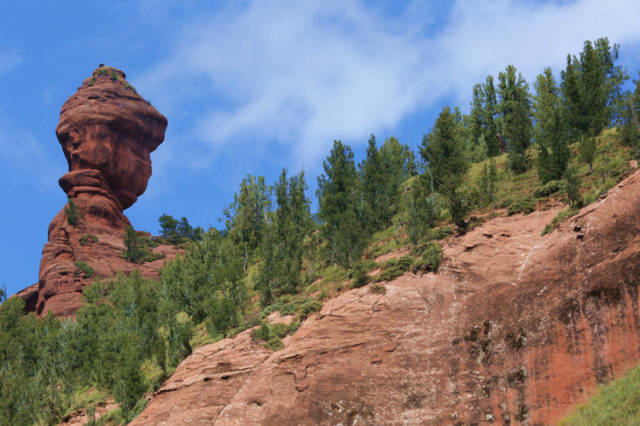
[[107, 132], [515, 328]]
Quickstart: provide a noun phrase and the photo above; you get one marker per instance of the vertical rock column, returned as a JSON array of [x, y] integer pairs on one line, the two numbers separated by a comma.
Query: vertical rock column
[[107, 133]]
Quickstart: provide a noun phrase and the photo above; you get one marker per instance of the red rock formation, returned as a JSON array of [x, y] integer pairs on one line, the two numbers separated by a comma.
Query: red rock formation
[[107, 132], [514, 328]]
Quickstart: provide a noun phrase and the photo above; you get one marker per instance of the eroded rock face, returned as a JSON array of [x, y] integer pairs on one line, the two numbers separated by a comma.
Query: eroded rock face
[[515, 328], [107, 133]]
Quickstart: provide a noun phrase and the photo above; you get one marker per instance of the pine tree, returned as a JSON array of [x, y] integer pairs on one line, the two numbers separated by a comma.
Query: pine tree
[[444, 153], [630, 128], [572, 186], [246, 216], [376, 206], [420, 210], [515, 111], [550, 131], [477, 122], [340, 208], [283, 244], [591, 89], [490, 111], [487, 183]]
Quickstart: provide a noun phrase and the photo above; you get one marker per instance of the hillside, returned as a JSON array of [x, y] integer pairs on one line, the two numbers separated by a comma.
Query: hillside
[[521, 338]]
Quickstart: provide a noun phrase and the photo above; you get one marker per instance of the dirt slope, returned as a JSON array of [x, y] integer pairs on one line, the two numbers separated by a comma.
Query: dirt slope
[[515, 328]]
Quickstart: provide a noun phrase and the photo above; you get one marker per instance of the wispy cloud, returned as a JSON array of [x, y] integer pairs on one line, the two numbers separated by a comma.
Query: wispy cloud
[[301, 74], [24, 162], [9, 61]]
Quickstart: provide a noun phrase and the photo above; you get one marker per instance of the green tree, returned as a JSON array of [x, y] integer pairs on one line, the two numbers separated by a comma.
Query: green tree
[[340, 212], [129, 385], [444, 152], [376, 206], [283, 245], [477, 123], [572, 186], [421, 210], [487, 183], [383, 174], [591, 88], [134, 247], [515, 113], [630, 127], [551, 130], [246, 216], [490, 115]]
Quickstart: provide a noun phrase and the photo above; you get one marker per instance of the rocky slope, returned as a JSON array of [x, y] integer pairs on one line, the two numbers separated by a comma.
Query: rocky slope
[[107, 132], [515, 328]]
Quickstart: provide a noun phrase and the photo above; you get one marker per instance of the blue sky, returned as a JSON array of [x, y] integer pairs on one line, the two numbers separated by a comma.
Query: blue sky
[[255, 86]]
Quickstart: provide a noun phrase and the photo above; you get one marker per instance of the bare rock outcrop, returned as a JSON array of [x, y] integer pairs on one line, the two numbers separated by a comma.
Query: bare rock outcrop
[[107, 132], [515, 328]]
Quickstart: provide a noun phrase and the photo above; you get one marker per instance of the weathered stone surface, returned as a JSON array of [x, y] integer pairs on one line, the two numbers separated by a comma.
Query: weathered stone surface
[[107, 133], [514, 328]]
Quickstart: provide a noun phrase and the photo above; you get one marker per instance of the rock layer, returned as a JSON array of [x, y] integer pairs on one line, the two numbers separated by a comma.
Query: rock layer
[[107, 133], [515, 328]]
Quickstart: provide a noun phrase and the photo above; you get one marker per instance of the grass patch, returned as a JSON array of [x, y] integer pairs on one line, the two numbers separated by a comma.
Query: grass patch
[[548, 189], [615, 404], [429, 256], [560, 217], [524, 205], [202, 337], [291, 305]]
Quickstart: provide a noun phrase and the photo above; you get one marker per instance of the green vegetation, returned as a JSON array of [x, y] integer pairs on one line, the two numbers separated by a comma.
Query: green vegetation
[[84, 268], [272, 334], [560, 217], [138, 247], [444, 151], [73, 214], [340, 213], [87, 239], [614, 404], [178, 232], [515, 114]]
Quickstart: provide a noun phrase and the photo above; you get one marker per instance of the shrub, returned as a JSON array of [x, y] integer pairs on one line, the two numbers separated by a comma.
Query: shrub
[[560, 217], [73, 215], [394, 268], [523, 205], [137, 248], [84, 268], [87, 239], [431, 256], [272, 334], [378, 289], [441, 232], [549, 188], [572, 187], [359, 275]]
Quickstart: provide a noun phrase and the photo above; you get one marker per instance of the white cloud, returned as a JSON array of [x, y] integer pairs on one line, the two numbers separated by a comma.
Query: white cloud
[[9, 61], [305, 73]]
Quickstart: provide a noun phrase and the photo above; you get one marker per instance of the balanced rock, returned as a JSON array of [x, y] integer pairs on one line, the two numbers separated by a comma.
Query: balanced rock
[[107, 132]]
